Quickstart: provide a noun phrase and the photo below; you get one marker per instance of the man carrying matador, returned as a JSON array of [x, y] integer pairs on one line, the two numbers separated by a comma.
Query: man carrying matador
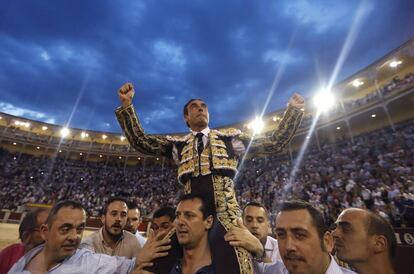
[[207, 162]]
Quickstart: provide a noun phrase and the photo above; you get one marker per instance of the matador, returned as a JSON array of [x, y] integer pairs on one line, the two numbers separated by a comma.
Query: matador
[[207, 162]]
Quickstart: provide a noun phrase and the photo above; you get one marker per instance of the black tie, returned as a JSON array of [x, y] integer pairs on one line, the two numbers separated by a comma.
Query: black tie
[[200, 144]]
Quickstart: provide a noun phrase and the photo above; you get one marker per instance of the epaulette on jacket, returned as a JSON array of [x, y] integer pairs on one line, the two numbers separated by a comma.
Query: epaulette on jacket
[[227, 132], [178, 139]]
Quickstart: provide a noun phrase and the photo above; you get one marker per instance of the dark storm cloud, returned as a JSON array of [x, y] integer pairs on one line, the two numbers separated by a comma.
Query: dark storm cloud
[[62, 61]]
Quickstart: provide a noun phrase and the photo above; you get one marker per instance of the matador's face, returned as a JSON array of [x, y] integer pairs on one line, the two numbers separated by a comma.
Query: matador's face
[[197, 115]]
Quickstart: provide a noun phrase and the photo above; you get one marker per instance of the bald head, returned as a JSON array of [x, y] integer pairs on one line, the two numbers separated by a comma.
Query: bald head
[[361, 234]]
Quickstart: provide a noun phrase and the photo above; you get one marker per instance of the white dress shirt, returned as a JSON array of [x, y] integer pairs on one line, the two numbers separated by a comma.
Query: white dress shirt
[[141, 239], [279, 268]]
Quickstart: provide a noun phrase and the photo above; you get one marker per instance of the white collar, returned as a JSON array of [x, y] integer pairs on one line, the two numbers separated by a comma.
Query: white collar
[[205, 131], [334, 268]]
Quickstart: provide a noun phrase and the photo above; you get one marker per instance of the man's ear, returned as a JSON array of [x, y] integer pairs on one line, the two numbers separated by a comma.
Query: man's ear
[[379, 243], [209, 222], [44, 231], [186, 120], [328, 241], [103, 219]]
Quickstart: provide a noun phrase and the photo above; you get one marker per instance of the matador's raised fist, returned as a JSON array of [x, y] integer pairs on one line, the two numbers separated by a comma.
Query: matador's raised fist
[[125, 93], [297, 101]]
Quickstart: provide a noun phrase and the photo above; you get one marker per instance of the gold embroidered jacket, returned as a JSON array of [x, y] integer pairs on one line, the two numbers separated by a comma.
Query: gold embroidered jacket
[[219, 155]]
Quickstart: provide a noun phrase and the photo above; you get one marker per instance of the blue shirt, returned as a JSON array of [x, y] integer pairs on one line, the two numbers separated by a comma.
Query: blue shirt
[[83, 261]]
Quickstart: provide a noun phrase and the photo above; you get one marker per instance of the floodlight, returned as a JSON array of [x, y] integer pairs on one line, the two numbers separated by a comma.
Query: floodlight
[[122, 138], [276, 118], [356, 83], [84, 134], [324, 100], [257, 125], [104, 136], [395, 63], [44, 127], [64, 132]]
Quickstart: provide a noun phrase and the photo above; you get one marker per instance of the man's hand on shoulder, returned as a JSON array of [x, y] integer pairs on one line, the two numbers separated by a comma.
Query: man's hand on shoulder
[[126, 93]]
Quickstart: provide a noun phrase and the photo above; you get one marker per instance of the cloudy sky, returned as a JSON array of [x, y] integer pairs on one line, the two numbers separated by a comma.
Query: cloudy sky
[[63, 61]]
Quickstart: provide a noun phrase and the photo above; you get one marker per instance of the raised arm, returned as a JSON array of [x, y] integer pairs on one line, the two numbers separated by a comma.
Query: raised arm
[[130, 124], [283, 133]]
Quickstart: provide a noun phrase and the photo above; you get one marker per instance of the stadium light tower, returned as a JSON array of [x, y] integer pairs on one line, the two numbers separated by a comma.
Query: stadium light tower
[[324, 100]]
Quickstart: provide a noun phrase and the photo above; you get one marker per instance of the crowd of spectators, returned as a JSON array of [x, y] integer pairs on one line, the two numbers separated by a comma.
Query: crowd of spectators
[[394, 85], [374, 171]]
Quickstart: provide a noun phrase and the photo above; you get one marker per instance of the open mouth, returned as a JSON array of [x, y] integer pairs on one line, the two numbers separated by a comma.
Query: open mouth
[[69, 247]]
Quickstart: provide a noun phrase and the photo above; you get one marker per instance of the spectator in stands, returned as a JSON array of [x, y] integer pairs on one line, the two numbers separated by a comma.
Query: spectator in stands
[[60, 254], [365, 241], [111, 238], [256, 219], [133, 222], [194, 219], [332, 179], [29, 234], [304, 241], [163, 219]]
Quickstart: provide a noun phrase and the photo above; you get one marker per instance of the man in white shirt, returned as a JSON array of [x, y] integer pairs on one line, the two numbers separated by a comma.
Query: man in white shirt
[[133, 222], [256, 219], [365, 241], [111, 238], [63, 233], [304, 241]]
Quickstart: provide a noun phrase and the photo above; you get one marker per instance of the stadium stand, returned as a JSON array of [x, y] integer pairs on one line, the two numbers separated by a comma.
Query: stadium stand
[[349, 152]]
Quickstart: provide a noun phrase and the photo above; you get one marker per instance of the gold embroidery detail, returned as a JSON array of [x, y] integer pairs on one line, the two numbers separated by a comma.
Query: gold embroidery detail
[[178, 139], [189, 145], [227, 132], [219, 151], [224, 163], [185, 168], [228, 211]]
